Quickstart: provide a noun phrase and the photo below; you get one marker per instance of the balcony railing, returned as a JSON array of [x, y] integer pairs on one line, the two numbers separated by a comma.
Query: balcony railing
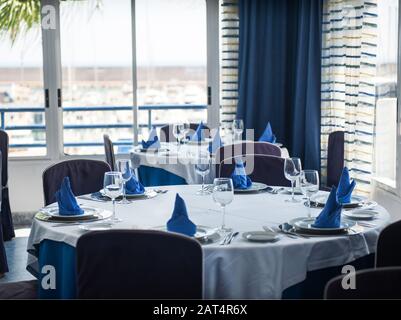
[[42, 127]]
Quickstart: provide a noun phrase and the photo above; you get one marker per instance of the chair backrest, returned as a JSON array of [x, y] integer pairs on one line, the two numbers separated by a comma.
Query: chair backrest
[[266, 169], [4, 157], [86, 176], [247, 147], [109, 152], [335, 157], [166, 132], [388, 252], [380, 283], [138, 264]]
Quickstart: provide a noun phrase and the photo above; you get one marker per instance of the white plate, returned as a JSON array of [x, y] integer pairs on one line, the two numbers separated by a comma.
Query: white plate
[[127, 195], [288, 190], [98, 226], [152, 150], [305, 225], [54, 212], [356, 201], [260, 236], [361, 214], [203, 233], [195, 143], [255, 187], [278, 144]]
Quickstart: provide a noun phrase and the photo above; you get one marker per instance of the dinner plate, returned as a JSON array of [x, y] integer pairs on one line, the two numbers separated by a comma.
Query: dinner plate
[[98, 226], [147, 193], [195, 143], [288, 190], [320, 201], [255, 187], [305, 225], [361, 214], [278, 144], [203, 233], [153, 150], [53, 212], [260, 236]]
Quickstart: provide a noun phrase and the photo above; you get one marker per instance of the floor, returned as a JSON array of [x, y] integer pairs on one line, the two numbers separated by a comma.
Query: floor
[[17, 257]]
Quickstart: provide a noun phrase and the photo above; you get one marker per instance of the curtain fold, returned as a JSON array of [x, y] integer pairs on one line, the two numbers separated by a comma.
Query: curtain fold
[[348, 89], [280, 72]]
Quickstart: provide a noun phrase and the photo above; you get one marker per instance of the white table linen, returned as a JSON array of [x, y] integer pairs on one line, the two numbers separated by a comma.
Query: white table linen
[[242, 270]]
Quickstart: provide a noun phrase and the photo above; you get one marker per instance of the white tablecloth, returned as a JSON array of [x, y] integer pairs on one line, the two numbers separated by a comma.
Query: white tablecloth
[[242, 269], [178, 160]]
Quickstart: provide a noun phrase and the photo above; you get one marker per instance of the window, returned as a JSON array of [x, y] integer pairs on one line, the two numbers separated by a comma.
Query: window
[[22, 109], [386, 92]]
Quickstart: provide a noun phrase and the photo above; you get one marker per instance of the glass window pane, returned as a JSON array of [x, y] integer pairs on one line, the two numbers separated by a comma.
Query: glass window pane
[[22, 109], [96, 46], [171, 59]]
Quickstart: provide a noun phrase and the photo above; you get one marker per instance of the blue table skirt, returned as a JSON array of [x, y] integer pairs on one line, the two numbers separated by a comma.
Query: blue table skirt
[[62, 257], [150, 176]]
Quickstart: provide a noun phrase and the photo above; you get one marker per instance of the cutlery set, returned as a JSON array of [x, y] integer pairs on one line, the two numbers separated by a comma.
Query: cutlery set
[[228, 238]]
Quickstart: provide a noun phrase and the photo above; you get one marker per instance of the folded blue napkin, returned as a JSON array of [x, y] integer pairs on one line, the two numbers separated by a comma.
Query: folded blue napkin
[[330, 217], [133, 186], [179, 221], [239, 177], [268, 135], [199, 134], [67, 204], [216, 143], [345, 187], [153, 140]]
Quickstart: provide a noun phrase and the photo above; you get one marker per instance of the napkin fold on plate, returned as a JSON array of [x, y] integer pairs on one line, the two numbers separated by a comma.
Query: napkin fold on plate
[[345, 187], [133, 186], [199, 134], [239, 177], [330, 217], [67, 204], [268, 135], [153, 140], [179, 221], [216, 142]]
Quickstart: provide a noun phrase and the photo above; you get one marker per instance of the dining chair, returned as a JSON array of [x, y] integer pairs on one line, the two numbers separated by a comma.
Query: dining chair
[[138, 264], [335, 158], [265, 169], [19, 290], [166, 131], [247, 147], [6, 216], [109, 152], [3, 257], [388, 251], [380, 283], [86, 176]]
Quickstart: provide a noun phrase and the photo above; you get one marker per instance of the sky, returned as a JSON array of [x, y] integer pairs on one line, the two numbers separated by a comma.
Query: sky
[[169, 32]]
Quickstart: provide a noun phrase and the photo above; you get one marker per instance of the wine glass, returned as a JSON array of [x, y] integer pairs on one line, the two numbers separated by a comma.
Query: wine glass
[[238, 128], [178, 130], [202, 167], [309, 183], [292, 170], [113, 186], [223, 194], [124, 167]]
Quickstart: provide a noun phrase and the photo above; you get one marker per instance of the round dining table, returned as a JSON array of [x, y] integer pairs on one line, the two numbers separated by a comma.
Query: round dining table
[[240, 270], [174, 164]]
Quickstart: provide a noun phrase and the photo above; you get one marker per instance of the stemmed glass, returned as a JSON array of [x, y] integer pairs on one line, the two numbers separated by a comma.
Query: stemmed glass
[[202, 167], [309, 183], [292, 170], [124, 167], [178, 131], [238, 128], [113, 186], [223, 194]]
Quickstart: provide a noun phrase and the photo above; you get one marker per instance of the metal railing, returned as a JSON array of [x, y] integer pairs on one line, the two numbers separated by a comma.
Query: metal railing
[[42, 127]]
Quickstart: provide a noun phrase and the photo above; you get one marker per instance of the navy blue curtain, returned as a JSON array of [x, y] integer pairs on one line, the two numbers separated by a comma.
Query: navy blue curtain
[[279, 72]]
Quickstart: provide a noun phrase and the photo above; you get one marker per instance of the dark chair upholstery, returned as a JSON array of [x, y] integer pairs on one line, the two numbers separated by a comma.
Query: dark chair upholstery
[[166, 132], [380, 283], [138, 264], [266, 169], [3, 257], [335, 158], [19, 290], [6, 216], [247, 147], [388, 253], [86, 176], [109, 152]]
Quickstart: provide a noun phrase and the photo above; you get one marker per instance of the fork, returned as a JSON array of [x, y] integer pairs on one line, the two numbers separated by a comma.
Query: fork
[[225, 239]]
